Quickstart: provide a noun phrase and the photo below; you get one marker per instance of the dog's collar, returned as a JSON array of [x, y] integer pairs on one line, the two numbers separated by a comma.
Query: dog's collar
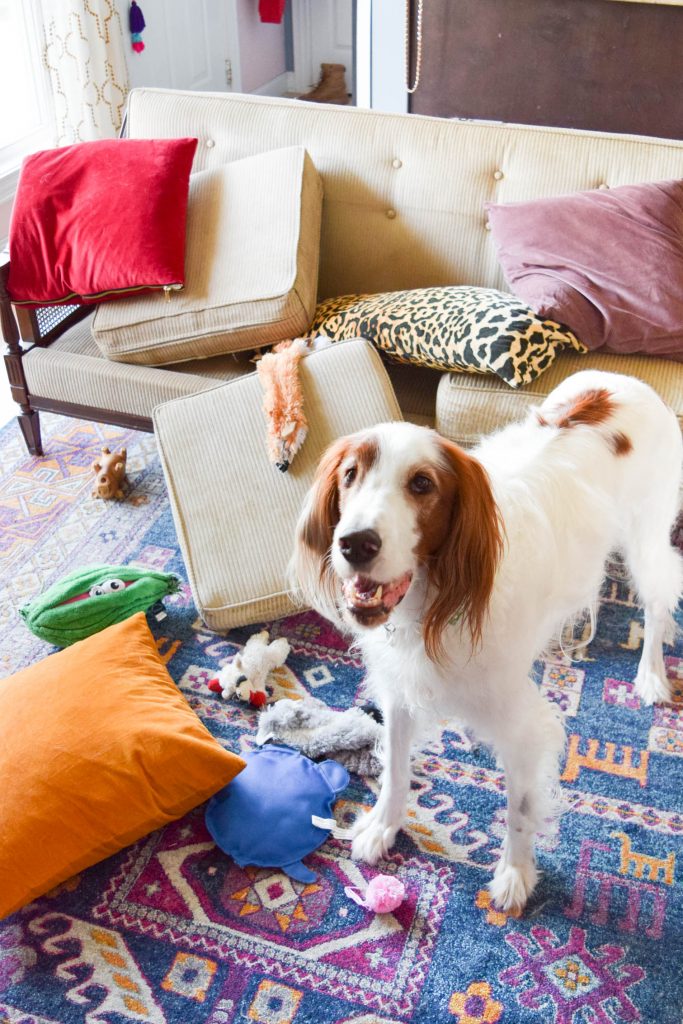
[[391, 629]]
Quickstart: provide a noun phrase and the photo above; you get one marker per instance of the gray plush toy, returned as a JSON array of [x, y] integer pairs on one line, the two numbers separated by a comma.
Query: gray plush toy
[[351, 737]]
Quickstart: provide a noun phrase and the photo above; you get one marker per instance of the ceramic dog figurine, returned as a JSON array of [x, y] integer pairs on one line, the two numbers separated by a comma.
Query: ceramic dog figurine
[[110, 473]]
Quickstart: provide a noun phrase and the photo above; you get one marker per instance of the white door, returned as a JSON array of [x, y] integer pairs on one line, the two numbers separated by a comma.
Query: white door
[[187, 46], [323, 34], [198, 42]]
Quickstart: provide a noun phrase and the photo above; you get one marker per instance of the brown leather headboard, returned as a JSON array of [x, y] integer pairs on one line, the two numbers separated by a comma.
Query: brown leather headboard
[[593, 64]]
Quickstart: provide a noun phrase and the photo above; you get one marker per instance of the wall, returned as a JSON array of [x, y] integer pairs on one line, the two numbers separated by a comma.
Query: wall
[[589, 64], [262, 47]]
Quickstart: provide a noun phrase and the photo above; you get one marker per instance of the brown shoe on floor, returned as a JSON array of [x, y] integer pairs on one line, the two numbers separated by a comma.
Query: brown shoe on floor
[[332, 86]]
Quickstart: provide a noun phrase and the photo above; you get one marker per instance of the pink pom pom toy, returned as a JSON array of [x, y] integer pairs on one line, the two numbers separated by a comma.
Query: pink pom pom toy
[[383, 894]]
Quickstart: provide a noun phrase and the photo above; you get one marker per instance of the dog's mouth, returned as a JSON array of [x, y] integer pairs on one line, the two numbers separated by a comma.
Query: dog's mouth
[[371, 603]]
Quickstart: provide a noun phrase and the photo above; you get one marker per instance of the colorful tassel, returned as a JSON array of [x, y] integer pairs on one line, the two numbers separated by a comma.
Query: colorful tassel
[[136, 23]]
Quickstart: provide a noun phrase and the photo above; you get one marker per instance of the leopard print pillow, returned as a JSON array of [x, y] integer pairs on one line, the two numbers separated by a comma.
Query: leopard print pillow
[[472, 330]]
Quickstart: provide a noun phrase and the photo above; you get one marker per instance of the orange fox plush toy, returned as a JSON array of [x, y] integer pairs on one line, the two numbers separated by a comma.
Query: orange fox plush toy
[[283, 400]]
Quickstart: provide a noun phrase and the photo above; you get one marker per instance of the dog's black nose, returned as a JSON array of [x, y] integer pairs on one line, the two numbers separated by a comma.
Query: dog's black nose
[[359, 548]]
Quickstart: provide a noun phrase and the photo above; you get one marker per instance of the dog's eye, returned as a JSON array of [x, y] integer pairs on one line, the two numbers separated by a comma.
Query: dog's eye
[[421, 484], [350, 476]]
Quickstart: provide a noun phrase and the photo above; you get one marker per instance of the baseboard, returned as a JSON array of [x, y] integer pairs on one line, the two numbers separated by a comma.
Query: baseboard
[[277, 87]]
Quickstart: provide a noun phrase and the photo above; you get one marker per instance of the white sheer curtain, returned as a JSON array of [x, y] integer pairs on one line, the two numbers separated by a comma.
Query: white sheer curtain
[[84, 52]]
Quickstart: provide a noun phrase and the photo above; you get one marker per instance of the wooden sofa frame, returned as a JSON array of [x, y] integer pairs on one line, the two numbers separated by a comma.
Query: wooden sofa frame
[[23, 329]]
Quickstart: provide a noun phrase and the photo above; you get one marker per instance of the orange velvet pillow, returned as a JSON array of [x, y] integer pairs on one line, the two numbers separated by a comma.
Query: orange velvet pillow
[[97, 748]]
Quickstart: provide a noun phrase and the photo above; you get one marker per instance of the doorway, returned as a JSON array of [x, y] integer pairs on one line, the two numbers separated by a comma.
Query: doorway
[[323, 32]]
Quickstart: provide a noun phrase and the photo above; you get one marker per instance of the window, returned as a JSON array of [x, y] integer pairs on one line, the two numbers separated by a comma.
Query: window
[[25, 118]]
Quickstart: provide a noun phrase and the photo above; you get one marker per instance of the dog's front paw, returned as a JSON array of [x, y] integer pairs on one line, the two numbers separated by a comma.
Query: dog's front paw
[[651, 687], [373, 838], [512, 885]]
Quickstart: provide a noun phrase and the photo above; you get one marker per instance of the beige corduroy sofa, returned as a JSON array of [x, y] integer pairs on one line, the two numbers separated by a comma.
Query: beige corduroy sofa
[[403, 207]]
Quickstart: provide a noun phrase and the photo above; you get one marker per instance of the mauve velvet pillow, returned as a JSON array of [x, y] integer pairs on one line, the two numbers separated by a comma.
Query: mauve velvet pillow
[[607, 263]]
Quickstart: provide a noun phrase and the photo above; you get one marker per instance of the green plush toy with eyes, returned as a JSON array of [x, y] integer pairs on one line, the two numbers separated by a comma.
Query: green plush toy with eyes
[[91, 599]]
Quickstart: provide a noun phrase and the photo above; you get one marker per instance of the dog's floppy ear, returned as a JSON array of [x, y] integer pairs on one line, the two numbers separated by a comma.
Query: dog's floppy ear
[[321, 513], [463, 569], [310, 569]]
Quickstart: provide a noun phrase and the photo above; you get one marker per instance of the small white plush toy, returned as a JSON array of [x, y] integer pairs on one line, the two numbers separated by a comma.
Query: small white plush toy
[[245, 676]]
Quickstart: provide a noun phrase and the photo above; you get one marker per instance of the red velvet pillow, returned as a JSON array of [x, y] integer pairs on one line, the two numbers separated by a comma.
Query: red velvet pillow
[[100, 219]]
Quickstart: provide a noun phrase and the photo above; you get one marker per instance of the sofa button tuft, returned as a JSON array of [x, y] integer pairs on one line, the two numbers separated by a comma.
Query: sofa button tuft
[[396, 163], [210, 143], [391, 214], [498, 175], [603, 184], [487, 225]]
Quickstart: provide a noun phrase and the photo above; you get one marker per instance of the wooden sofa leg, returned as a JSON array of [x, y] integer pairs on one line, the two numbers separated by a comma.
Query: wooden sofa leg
[[30, 428]]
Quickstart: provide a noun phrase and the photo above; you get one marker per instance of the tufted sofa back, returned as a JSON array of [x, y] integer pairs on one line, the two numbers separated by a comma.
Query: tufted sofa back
[[404, 194]]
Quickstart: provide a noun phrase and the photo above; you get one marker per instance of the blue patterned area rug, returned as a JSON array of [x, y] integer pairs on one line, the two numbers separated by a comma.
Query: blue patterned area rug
[[171, 930]]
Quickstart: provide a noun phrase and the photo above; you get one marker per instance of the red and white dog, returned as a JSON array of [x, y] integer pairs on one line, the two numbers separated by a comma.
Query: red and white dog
[[474, 560]]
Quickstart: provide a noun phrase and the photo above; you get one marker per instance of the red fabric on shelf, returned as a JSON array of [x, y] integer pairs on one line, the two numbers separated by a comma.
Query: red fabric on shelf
[[271, 11], [97, 220]]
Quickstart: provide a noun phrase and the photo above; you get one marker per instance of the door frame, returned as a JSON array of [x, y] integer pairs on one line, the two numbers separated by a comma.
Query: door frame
[[302, 44], [380, 55], [305, 76], [232, 28]]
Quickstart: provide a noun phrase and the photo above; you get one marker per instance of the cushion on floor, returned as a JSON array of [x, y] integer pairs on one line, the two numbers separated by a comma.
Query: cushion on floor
[[98, 747]]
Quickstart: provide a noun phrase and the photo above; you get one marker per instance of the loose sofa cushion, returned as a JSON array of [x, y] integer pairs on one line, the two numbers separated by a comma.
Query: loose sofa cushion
[[72, 369], [236, 523], [253, 238], [100, 219], [468, 407], [476, 330], [98, 747], [607, 262]]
